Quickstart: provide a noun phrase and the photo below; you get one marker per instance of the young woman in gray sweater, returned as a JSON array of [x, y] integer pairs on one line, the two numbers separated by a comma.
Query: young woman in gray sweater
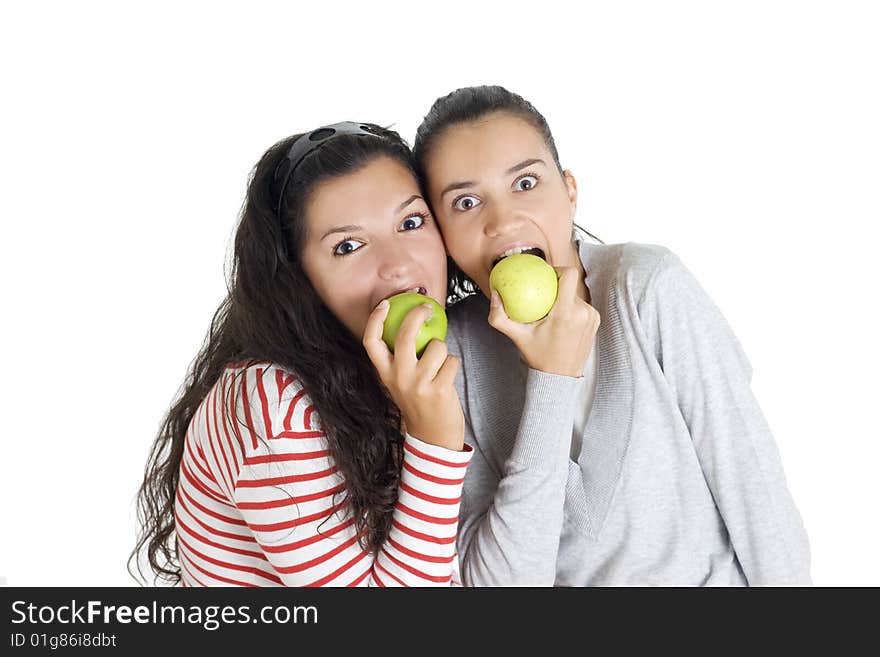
[[617, 440]]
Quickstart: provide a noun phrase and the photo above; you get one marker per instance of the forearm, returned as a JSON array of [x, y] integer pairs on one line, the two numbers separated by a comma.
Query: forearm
[[420, 547], [511, 526], [744, 470], [710, 377]]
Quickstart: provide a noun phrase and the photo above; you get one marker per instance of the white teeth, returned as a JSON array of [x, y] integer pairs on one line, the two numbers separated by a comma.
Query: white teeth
[[516, 249]]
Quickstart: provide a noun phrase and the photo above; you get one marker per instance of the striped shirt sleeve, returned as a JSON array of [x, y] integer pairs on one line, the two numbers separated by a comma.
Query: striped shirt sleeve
[[257, 469]]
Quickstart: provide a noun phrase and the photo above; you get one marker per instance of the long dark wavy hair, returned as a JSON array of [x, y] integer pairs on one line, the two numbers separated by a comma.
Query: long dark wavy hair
[[273, 313], [464, 106]]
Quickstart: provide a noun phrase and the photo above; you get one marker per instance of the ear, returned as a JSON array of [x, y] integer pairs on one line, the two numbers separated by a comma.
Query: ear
[[572, 189]]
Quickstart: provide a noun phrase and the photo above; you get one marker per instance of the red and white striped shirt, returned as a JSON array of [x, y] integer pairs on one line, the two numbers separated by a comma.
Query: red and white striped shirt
[[259, 499]]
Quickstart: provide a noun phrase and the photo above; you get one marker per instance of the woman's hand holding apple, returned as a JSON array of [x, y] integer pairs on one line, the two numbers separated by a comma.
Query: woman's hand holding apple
[[422, 388], [560, 342]]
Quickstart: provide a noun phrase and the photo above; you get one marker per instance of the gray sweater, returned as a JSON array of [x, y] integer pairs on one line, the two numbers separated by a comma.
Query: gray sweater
[[679, 481]]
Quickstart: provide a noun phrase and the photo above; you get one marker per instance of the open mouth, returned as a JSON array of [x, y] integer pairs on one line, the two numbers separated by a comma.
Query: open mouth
[[532, 250], [417, 289]]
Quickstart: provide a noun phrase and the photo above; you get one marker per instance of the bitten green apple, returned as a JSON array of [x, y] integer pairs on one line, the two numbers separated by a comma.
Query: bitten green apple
[[527, 286], [434, 327]]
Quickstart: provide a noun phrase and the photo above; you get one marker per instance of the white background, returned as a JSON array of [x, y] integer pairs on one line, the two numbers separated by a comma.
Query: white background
[[742, 135]]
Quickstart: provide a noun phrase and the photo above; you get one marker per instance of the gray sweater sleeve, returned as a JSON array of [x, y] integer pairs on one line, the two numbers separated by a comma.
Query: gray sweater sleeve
[[710, 377], [510, 521]]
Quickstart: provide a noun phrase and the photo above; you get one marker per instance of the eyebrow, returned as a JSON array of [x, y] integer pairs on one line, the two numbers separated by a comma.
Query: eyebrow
[[470, 183], [403, 205], [454, 186], [340, 229], [350, 228], [524, 164]]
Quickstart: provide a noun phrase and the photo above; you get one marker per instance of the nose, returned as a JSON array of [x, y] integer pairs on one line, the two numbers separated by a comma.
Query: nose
[[502, 220], [396, 263]]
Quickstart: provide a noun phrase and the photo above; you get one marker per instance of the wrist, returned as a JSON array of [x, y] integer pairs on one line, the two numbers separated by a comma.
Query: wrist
[[451, 440], [561, 369]]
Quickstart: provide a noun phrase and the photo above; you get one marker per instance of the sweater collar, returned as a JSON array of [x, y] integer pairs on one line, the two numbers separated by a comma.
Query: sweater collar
[[591, 486], [496, 402]]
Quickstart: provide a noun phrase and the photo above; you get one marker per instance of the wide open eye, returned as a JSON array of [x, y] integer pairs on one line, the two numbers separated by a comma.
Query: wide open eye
[[525, 183], [465, 203], [346, 246], [413, 222]]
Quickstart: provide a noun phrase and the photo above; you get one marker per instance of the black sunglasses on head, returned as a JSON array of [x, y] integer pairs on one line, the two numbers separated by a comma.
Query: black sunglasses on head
[[306, 145]]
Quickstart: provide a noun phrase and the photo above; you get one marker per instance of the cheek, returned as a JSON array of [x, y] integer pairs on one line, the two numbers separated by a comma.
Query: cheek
[[350, 308], [564, 206], [439, 246], [553, 213], [470, 258], [558, 232], [457, 239], [342, 294], [470, 262], [429, 244]]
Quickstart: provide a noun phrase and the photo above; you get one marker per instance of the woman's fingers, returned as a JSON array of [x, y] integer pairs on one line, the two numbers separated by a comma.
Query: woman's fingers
[[498, 318], [567, 293], [422, 388], [377, 350], [432, 360], [446, 374], [405, 343]]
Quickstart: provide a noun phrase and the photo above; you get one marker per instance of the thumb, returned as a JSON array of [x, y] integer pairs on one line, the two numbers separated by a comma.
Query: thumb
[[498, 318]]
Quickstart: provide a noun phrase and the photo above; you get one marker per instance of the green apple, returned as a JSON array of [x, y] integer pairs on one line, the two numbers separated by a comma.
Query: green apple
[[434, 327], [527, 286]]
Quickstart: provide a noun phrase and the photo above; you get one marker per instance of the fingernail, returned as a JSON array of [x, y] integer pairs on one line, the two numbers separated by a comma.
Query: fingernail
[[383, 304], [495, 298]]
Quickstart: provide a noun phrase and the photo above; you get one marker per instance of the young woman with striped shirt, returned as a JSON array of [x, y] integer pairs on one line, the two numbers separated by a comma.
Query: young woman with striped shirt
[[301, 451]]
